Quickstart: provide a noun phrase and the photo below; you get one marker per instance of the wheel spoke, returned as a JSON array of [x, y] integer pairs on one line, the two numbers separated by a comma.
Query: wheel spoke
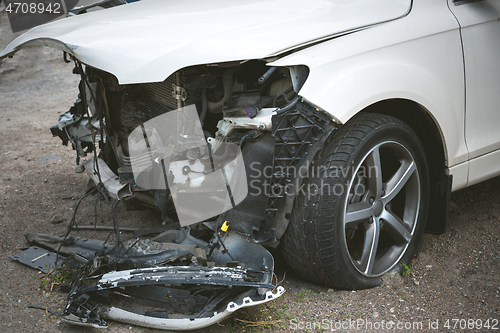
[[358, 212], [374, 173], [398, 180], [370, 248], [396, 227]]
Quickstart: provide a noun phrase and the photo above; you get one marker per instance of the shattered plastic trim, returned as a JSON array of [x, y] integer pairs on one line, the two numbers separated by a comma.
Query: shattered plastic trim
[[225, 276], [185, 324]]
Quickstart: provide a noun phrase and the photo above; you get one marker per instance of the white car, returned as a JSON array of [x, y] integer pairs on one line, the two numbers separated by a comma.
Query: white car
[[355, 119]]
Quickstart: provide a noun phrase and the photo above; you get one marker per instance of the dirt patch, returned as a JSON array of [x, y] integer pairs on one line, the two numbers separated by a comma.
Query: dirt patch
[[455, 275]]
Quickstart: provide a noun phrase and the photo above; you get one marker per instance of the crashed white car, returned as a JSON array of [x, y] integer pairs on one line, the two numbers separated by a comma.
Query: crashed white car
[[354, 121]]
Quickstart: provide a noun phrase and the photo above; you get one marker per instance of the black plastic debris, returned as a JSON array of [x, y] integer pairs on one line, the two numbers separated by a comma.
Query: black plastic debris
[[38, 258]]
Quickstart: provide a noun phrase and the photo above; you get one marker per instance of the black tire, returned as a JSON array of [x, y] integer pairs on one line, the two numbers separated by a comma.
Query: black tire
[[344, 209]]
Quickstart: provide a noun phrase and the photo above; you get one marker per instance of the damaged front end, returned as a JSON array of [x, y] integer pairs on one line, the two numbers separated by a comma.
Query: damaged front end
[[212, 149]]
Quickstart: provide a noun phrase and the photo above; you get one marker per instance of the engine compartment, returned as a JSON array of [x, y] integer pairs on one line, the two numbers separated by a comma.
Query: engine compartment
[[234, 103]]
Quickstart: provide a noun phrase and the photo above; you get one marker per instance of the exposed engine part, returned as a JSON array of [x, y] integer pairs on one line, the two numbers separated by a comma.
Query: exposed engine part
[[202, 183], [78, 129], [266, 76], [179, 93], [100, 173], [235, 104], [227, 83], [209, 88], [227, 125]]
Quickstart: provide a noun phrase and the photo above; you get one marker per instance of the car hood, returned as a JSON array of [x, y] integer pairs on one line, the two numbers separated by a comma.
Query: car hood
[[146, 41]]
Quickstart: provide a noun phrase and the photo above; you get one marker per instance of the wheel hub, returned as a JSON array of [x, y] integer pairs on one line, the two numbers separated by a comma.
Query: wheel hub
[[378, 207]]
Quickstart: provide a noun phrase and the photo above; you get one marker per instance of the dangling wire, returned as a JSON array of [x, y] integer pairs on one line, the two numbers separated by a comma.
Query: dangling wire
[[73, 220], [100, 186]]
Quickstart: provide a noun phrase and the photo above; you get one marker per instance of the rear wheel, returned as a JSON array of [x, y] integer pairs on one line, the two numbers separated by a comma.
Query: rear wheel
[[362, 210]]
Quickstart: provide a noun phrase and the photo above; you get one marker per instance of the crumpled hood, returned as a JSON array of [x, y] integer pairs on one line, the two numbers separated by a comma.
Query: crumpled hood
[[146, 41]]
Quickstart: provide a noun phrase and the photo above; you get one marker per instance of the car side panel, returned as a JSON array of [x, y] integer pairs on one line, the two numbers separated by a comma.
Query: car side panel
[[418, 57], [480, 26]]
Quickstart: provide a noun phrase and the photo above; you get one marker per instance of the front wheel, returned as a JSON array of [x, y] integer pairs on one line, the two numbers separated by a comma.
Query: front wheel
[[363, 209]]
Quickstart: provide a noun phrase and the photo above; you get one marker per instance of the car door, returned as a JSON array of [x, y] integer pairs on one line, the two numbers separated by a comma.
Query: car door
[[480, 31]]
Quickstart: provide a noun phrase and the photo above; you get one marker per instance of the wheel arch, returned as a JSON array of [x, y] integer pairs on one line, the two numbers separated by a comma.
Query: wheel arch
[[421, 121]]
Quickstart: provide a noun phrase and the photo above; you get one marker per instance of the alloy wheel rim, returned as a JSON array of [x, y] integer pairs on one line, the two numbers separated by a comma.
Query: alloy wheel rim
[[381, 208]]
